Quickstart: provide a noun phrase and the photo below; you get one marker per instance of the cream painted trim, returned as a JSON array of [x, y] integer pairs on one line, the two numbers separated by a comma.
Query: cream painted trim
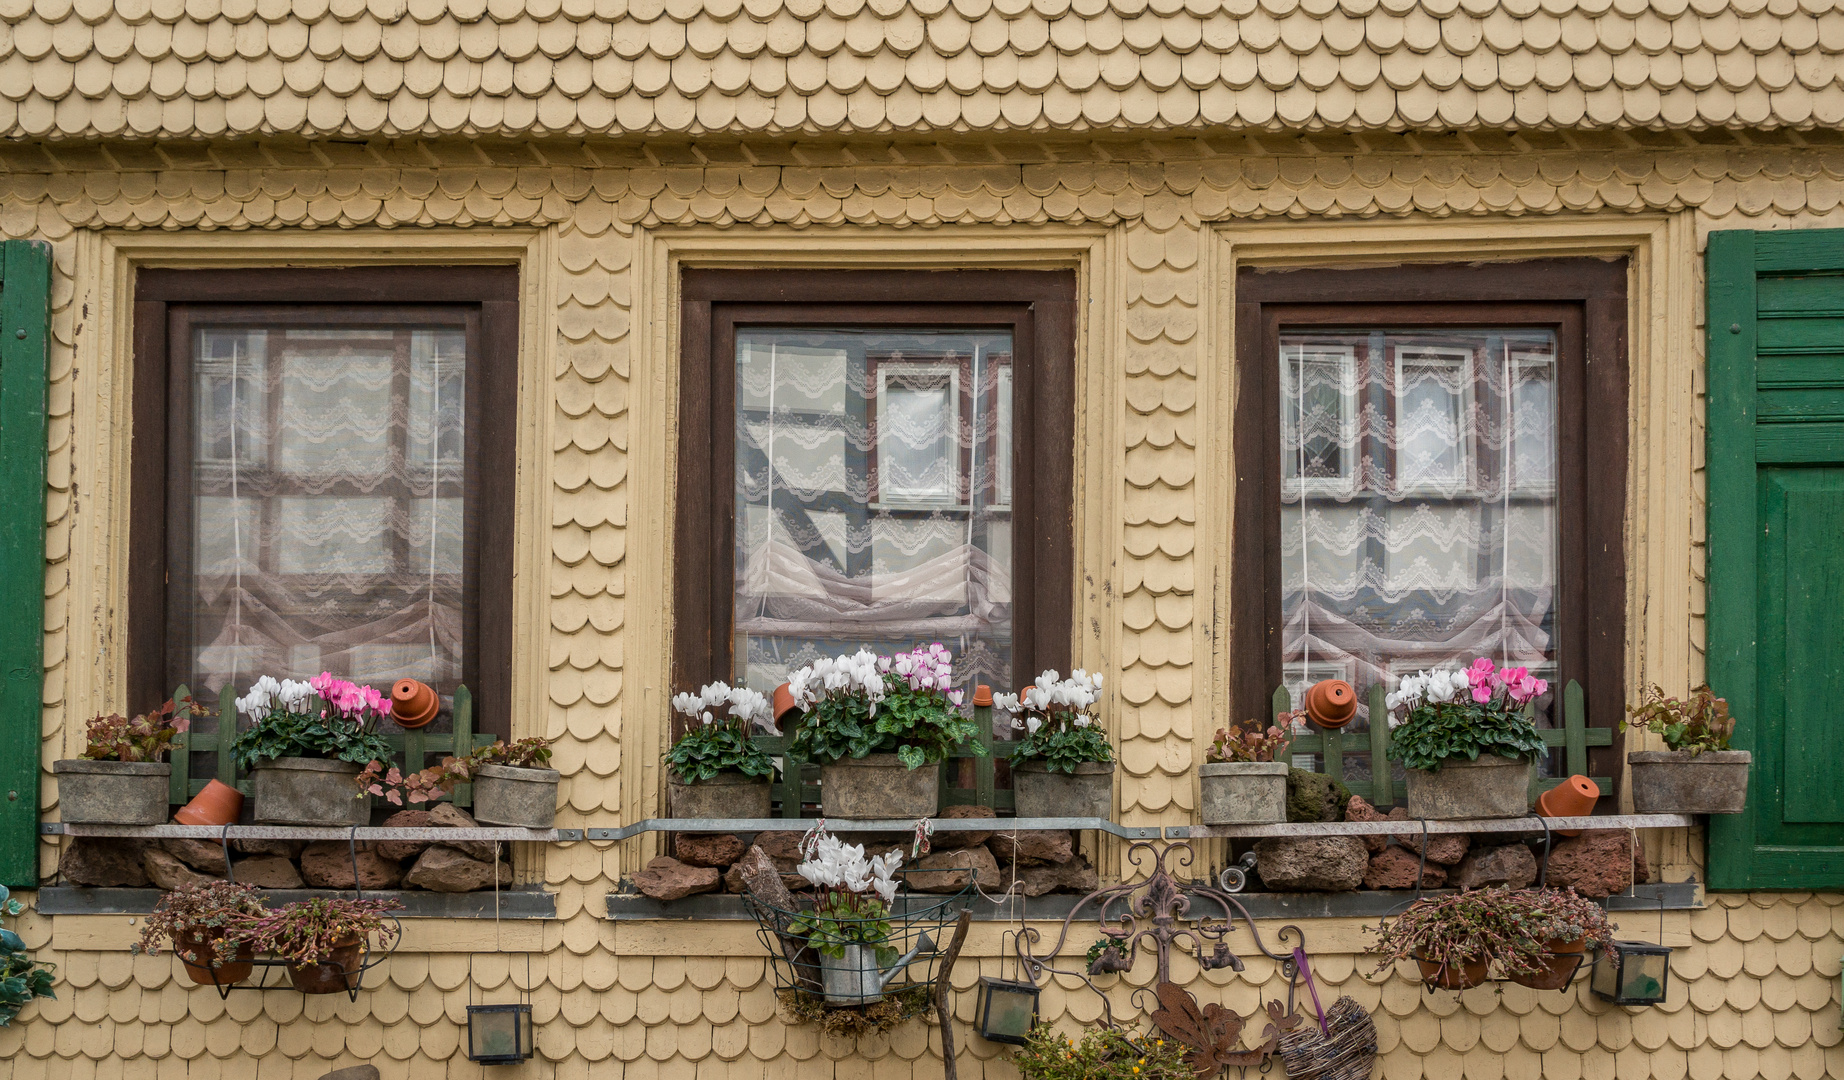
[[104, 274], [660, 254], [1662, 345]]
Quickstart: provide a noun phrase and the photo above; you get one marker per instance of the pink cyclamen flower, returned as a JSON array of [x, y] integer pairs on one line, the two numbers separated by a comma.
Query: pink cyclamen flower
[[1525, 687]]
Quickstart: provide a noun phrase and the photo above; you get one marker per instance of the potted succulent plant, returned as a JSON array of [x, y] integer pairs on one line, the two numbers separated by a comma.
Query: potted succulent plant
[[1240, 783], [305, 743], [323, 940], [1064, 765], [1536, 937], [1697, 773], [512, 785], [714, 770], [121, 779], [1466, 740], [204, 925], [849, 924], [879, 728]]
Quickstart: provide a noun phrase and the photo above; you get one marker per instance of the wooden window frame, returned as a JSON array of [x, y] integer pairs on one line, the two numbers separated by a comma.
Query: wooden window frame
[[483, 299], [1037, 306], [1584, 301]]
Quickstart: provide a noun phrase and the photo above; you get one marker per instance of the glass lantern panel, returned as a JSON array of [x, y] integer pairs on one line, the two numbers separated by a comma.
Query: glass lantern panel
[[495, 1035], [1642, 977], [1009, 1012]]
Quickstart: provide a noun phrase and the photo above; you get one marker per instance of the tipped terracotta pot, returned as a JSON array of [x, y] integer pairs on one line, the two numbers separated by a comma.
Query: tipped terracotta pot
[[784, 705], [982, 696], [1331, 703], [414, 703], [218, 804], [1574, 797]]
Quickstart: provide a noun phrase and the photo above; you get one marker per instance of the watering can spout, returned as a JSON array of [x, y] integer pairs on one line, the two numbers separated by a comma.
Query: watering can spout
[[924, 944]]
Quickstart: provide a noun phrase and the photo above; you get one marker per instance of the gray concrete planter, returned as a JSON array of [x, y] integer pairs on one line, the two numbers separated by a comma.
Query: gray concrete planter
[[878, 786], [726, 795], [1242, 792], [112, 792], [1680, 782], [521, 798], [1038, 792], [308, 791], [1490, 787]]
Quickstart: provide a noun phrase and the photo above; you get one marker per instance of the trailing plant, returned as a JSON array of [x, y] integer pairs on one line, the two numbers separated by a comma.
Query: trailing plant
[[868, 704], [854, 894], [1512, 928], [1102, 1053], [429, 785], [146, 737], [851, 1021], [1454, 714], [311, 931], [1248, 743], [325, 717], [21, 977], [718, 742], [213, 914], [1699, 724], [1060, 729]]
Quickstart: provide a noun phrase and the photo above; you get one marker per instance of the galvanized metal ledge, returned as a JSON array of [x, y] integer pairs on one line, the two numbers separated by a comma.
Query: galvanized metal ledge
[[304, 832], [895, 825], [1416, 826], [518, 903]]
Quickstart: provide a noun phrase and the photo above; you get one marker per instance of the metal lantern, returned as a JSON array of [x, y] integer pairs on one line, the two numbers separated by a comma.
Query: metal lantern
[[1638, 974], [1006, 1009], [499, 1034]]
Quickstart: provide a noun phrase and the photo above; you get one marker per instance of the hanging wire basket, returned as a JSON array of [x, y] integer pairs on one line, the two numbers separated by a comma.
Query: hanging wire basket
[[904, 960]]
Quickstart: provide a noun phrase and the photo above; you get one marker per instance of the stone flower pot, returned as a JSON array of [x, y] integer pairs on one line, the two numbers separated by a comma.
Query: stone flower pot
[[1680, 782], [726, 795], [1088, 792], [523, 798], [1490, 787], [1242, 792], [308, 791], [112, 792], [878, 786]]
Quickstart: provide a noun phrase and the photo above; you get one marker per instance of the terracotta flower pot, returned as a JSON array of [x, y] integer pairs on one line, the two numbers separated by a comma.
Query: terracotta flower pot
[[1558, 966], [1574, 797], [414, 703], [784, 706], [982, 696], [1461, 976], [234, 970], [218, 804], [333, 976], [1331, 703]]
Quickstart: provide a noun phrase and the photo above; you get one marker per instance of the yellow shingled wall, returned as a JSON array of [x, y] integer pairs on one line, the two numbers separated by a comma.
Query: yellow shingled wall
[[1156, 229]]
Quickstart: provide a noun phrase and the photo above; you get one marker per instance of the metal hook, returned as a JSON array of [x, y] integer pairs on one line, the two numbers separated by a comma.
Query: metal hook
[[224, 842], [1422, 867], [1543, 867]]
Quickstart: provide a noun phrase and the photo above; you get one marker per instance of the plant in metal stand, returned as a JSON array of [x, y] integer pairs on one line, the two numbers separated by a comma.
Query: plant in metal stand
[[21, 977], [850, 922], [203, 924], [1537, 937], [324, 942]]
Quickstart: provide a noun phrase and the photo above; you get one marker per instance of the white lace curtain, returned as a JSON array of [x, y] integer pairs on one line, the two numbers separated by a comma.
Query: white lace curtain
[[329, 502], [873, 489], [1418, 501]]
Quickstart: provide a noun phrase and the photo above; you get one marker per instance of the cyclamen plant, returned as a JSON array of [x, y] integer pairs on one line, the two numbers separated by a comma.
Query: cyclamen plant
[[325, 717], [147, 737], [854, 894], [724, 717], [1055, 713], [1451, 714], [866, 704]]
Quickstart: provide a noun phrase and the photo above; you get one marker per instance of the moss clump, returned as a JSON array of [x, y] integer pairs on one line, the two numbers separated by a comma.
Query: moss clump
[[851, 1021], [1315, 796]]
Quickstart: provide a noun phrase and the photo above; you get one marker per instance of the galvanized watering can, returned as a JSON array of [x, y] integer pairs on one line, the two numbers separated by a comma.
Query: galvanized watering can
[[854, 979]]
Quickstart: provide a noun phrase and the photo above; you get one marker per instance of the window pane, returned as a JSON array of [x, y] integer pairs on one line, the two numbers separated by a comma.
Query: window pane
[[329, 504], [873, 472], [1418, 501]]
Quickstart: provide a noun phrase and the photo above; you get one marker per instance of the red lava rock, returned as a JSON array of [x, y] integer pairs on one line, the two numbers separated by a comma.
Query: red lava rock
[[399, 850], [446, 869], [288, 849], [1507, 864], [948, 841], [268, 872], [327, 864], [1360, 810], [450, 816], [167, 872], [1597, 863], [1074, 876], [666, 878], [1395, 868], [783, 847], [1033, 848], [1447, 849], [102, 862], [956, 868], [1311, 863], [206, 856], [715, 850]]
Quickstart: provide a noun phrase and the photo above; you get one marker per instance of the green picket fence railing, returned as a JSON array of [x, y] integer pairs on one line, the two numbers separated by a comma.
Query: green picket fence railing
[[411, 749], [971, 780], [1573, 738]]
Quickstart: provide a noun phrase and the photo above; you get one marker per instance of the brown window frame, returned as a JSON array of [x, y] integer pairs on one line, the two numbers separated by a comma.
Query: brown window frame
[[1037, 306], [1584, 301], [483, 299]]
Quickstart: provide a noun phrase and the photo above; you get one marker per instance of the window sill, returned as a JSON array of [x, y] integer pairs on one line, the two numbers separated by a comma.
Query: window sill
[[417, 903]]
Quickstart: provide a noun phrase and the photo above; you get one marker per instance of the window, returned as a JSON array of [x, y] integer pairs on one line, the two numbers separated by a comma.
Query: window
[[1431, 467], [856, 470], [312, 454]]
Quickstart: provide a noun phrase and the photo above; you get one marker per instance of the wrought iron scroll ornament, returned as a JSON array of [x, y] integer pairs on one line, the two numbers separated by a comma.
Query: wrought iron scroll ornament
[[1156, 913]]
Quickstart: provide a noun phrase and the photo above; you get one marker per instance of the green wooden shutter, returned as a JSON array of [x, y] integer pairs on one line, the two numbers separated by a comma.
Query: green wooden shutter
[[1776, 549], [25, 293]]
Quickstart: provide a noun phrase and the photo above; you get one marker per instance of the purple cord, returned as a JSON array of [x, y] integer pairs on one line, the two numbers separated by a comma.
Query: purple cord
[[1299, 962]]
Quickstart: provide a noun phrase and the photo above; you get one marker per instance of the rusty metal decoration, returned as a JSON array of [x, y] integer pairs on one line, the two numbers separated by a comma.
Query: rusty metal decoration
[[1213, 1032], [1156, 913]]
